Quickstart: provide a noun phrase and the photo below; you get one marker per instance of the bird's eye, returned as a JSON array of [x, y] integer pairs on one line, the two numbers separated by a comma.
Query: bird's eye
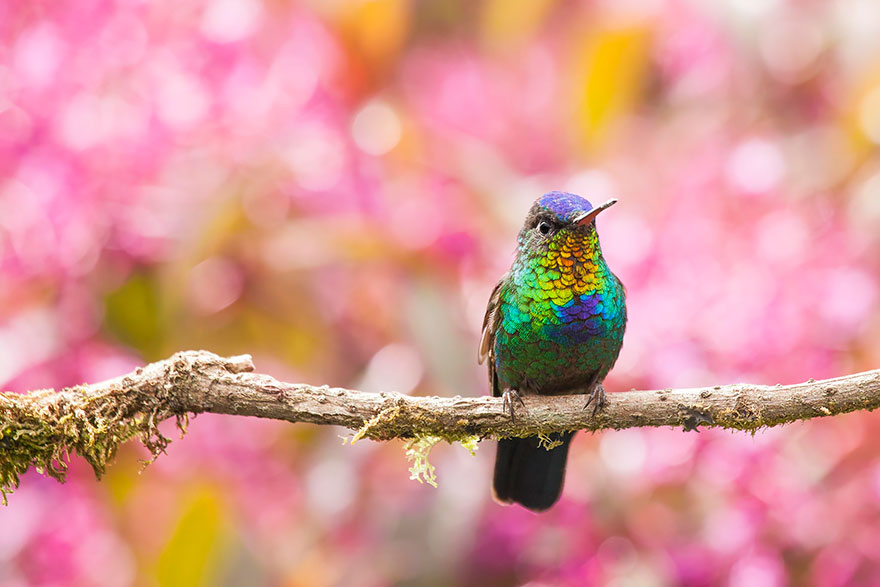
[[544, 227]]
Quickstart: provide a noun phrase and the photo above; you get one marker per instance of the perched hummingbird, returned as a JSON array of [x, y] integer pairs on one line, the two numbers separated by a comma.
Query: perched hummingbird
[[554, 325]]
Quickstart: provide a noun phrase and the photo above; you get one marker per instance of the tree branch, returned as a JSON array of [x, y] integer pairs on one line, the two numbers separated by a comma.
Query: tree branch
[[41, 428]]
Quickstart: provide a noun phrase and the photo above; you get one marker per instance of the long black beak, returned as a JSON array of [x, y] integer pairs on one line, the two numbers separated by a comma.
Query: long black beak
[[587, 217]]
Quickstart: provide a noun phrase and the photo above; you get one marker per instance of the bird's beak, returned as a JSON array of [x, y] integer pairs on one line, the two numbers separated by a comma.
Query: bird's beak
[[587, 217]]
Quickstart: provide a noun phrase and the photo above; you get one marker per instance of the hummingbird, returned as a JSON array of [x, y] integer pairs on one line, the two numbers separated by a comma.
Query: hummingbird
[[554, 325]]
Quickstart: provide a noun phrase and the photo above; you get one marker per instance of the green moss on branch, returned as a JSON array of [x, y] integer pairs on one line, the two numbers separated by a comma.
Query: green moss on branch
[[42, 429]]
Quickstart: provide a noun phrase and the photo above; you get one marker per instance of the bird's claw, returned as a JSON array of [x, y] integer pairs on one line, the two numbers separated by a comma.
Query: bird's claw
[[507, 398], [597, 398]]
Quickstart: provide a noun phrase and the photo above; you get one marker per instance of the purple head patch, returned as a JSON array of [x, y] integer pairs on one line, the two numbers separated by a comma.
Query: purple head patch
[[564, 205]]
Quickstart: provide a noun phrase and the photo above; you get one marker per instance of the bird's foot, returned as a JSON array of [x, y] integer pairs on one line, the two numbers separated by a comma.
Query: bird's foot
[[507, 398], [597, 398]]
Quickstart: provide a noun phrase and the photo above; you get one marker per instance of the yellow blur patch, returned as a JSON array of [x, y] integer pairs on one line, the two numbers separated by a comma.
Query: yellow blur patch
[[134, 314], [377, 28], [609, 72], [192, 555], [862, 117], [506, 23], [121, 479]]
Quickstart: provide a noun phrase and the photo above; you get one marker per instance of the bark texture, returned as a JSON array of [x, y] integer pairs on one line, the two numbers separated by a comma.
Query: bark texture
[[39, 429]]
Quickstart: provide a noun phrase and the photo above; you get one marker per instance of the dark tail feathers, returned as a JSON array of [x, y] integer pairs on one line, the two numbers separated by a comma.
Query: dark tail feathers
[[528, 474]]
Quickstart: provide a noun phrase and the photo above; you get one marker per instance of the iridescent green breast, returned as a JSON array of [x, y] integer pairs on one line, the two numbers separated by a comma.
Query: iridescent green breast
[[562, 318]]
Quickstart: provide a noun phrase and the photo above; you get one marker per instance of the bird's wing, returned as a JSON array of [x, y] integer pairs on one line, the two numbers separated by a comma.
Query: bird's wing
[[490, 325], [489, 322]]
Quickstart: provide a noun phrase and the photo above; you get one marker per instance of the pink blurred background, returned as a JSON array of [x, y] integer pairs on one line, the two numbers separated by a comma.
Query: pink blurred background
[[334, 187]]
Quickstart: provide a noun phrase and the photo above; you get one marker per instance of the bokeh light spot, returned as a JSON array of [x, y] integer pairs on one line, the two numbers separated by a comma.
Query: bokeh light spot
[[396, 367], [182, 99], [865, 205], [226, 21], [214, 284], [38, 54], [376, 128], [330, 485], [755, 167], [316, 155], [623, 451], [791, 46]]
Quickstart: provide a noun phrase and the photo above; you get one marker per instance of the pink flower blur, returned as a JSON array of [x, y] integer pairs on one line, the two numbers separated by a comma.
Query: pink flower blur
[[335, 187]]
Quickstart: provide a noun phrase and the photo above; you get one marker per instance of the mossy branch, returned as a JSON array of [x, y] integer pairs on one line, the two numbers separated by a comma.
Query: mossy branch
[[40, 429]]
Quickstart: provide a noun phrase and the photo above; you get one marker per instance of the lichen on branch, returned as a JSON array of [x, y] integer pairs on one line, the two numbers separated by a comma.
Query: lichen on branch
[[41, 429]]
